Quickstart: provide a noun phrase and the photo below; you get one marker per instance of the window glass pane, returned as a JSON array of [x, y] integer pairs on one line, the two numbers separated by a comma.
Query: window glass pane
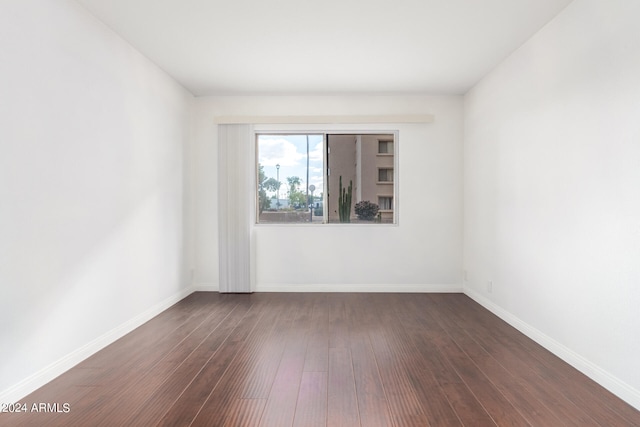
[[290, 178], [385, 147], [385, 175], [354, 163], [386, 203]]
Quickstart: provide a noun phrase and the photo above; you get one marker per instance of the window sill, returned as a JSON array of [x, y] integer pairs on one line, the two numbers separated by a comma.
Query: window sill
[[326, 224]]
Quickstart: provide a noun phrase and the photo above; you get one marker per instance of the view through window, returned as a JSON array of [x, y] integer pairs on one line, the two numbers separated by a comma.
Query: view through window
[[326, 178]]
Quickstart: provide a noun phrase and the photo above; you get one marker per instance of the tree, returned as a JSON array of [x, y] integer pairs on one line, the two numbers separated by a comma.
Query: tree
[[265, 184], [263, 200], [271, 184], [366, 210], [296, 197]]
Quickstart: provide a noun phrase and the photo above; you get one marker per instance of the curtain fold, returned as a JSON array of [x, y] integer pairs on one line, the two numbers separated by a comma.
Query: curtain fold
[[235, 171]]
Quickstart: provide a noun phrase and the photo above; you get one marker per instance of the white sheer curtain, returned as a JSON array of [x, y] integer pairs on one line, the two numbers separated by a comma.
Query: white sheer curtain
[[236, 162]]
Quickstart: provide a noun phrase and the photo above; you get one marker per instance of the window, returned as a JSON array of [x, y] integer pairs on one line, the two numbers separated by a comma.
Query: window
[[325, 178], [385, 175], [385, 147], [290, 178], [385, 203]]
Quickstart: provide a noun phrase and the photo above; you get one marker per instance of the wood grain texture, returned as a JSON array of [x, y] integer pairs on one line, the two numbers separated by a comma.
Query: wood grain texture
[[325, 360], [311, 406], [342, 405]]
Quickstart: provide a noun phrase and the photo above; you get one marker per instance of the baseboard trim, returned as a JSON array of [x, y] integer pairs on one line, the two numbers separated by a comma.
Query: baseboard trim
[[277, 287], [206, 287], [45, 375], [612, 383], [378, 288]]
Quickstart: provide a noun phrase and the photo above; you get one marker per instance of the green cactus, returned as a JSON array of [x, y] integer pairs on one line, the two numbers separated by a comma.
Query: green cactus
[[344, 202]]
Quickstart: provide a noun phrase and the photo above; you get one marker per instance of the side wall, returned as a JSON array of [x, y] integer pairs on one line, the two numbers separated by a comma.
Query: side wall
[[422, 253], [552, 179], [91, 188]]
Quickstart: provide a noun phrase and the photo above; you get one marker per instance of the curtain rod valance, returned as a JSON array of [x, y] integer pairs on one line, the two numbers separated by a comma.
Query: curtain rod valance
[[278, 120]]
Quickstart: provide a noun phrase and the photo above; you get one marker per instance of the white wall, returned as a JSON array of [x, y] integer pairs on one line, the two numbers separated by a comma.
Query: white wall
[[91, 189], [552, 186], [422, 253]]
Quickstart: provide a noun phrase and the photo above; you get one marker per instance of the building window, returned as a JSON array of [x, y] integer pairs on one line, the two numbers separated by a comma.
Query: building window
[[385, 203], [320, 178], [385, 175], [385, 147]]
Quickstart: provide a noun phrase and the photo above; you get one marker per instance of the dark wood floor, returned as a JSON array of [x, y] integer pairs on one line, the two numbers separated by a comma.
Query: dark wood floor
[[325, 359]]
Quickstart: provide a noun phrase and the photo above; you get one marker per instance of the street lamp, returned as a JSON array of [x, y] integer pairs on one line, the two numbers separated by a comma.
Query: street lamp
[[312, 189], [278, 187]]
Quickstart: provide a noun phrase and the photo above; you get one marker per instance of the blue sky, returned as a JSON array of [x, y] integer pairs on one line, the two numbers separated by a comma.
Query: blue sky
[[290, 152]]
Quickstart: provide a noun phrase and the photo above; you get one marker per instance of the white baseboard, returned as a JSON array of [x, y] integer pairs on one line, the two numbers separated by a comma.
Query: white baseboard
[[621, 389], [45, 375], [420, 288], [278, 287], [206, 287]]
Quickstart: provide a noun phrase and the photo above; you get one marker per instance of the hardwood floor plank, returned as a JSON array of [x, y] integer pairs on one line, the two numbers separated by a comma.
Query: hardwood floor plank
[[129, 405], [119, 370], [431, 395], [153, 408], [464, 403], [244, 412], [467, 407], [495, 403], [175, 320], [338, 331], [372, 401], [265, 367], [588, 400], [579, 389], [342, 405], [317, 356], [455, 402], [446, 399], [211, 392], [396, 363], [311, 404], [281, 404], [526, 403], [252, 372], [493, 358], [325, 359], [438, 387], [521, 365]]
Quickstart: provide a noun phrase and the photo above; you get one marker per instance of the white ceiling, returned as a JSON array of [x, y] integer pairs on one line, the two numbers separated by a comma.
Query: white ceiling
[[326, 46]]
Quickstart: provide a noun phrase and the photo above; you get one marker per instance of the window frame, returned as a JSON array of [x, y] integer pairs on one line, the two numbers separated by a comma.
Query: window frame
[[326, 130]]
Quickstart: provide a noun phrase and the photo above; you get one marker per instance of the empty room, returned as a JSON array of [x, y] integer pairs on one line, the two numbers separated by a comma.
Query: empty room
[[293, 213]]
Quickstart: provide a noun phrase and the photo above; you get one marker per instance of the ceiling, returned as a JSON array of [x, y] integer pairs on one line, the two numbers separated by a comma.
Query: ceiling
[[326, 46]]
